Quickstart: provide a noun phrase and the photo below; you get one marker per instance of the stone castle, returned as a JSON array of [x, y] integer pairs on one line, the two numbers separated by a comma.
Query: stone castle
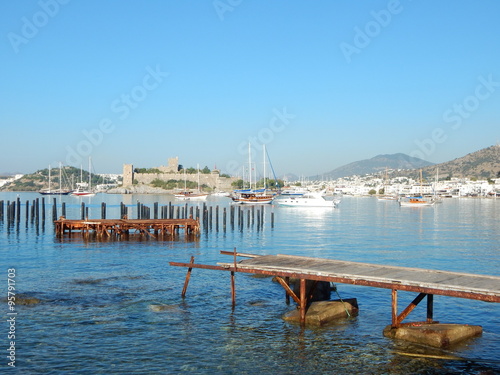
[[171, 172]]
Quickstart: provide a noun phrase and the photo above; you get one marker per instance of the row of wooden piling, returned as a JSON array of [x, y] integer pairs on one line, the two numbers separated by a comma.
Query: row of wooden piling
[[209, 217]]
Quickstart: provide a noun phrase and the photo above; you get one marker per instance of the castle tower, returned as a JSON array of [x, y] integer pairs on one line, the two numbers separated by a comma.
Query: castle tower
[[128, 174]]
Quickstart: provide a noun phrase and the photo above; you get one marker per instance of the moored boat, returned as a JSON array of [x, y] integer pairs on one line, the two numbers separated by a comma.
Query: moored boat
[[417, 201], [250, 196], [310, 199], [191, 196]]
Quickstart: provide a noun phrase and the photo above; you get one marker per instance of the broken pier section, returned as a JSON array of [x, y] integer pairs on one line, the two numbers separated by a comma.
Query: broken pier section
[[426, 283]]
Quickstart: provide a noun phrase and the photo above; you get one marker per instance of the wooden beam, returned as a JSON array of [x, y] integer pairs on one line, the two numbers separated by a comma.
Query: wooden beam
[[188, 276]]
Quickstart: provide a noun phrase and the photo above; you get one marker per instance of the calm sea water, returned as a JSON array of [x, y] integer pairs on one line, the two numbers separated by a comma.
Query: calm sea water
[[115, 307]]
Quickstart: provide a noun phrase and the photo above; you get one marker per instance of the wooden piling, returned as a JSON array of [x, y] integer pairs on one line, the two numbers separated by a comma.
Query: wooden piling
[[210, 217], [188, 276], [37, 212], [63, 209], [224, 218], [54, 210], [32, 210], [43, 208], [18, 209], [1, 210], [217, 218], [82, 211], [27, 212]]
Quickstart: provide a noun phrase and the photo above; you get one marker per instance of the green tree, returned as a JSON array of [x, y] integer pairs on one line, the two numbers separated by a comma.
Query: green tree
[[238, 184]]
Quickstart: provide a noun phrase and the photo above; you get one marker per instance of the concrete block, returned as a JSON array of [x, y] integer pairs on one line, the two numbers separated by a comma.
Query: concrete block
[[437, 335], [323, 312]]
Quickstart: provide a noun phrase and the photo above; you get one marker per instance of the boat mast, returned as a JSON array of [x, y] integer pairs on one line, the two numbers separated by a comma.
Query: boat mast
[[198, 168], [49, 180], [250, 165], [90, 173], [185, 183], [60, 178], [264, 161]]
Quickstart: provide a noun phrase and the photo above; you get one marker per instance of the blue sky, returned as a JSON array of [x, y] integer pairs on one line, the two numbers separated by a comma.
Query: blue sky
[[320, 83]]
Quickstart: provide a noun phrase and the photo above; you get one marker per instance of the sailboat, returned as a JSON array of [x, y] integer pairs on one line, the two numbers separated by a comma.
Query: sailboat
[[417, 200], [188, 195], [60, 190], [253, 196], [84, 189]]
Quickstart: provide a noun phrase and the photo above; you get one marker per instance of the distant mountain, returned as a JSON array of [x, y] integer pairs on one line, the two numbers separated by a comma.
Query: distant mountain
[[376, 164], [482, 164]]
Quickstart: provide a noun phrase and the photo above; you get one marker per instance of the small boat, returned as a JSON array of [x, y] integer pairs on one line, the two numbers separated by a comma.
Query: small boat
[[84, 189], [310, 199], [418, 201], [250, 196], [187, 195], [191, 196]]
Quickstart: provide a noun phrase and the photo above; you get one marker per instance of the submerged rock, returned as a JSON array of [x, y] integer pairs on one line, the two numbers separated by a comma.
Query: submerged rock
[[161, 307], [22, 299]]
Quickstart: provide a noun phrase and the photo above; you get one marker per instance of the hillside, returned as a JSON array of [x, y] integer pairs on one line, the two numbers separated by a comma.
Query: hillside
[[377, 164], [482, 164], [40, 179]]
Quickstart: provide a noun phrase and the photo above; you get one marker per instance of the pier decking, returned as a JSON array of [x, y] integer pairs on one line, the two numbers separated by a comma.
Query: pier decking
[[118, 227], [425, 282]]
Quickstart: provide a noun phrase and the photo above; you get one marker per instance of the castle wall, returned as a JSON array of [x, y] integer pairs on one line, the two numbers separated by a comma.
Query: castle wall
[[212, 180]]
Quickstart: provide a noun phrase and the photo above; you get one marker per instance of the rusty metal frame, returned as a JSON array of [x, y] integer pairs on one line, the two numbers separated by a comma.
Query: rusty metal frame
[[283, 278], [397, 320]]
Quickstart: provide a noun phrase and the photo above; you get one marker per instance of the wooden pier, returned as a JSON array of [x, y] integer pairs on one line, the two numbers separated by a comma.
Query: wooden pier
[[425, 282], [101, 228]]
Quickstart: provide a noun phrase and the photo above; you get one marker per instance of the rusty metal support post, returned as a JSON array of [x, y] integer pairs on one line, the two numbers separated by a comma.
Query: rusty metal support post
[[233, 288], [394, 308], [287, 296], [188, 275], [303, 301], [430, 308]]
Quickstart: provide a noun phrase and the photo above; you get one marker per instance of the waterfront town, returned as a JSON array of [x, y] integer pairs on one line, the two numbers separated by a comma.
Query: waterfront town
[[370, 184]]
